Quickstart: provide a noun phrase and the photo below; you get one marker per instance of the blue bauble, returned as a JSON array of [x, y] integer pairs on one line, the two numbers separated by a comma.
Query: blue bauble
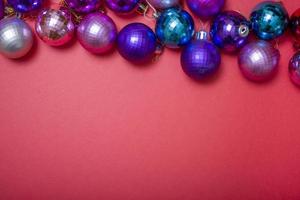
[[269, 20], [174, 27], [200, 58]]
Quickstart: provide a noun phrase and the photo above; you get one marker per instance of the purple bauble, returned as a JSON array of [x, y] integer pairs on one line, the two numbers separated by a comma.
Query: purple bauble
[[294, 68], [54, 27], [230, 31], [205, 8], [200, 58], [1, 9], [259, 60], [137, 42], [163, 4], [97, 33], [25, 6], [83, 6], [122, 6]]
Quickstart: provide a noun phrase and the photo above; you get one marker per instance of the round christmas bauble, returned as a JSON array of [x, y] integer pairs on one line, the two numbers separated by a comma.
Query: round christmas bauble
[[137, 43], [16, 38], [294, 69], [259, 60], [83, 6], [229, 31], [97, 33], [25, 6], [163, 4], [269, 20], [54, 27], [122, 6], [205, 8], [295, 24]]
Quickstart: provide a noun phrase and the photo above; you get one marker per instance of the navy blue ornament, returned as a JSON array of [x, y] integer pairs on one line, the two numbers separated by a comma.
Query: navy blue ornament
[[269, 20], [174, 27]]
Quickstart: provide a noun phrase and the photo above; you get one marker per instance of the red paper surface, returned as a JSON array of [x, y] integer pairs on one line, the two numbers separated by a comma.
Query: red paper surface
[[83, 127]]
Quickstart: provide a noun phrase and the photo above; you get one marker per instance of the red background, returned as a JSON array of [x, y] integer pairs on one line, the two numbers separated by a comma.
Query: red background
[[79, 126]]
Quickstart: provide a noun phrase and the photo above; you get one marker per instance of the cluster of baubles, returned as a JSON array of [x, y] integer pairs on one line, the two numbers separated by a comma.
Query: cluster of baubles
[[136, 42]]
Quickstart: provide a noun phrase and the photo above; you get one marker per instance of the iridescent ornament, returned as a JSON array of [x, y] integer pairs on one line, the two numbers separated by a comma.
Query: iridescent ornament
[[174, 27], [16, 37], [1, 9], [163, 4], [295, 25], [137, 43], [205, 8], [97, 33], [83, 6], [200, 58], [294, 68], [25, 6], [259, 60], [269, 20], [230, 31], [54, 27], [122, 6]]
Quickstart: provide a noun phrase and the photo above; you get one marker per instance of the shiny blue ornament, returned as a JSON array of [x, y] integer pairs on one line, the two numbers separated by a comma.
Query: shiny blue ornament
[[269, 20], [174, 27]]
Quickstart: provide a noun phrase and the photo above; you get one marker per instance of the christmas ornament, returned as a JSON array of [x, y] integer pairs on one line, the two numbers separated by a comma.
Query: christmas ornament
[[54, 27], [137, 43], [97, 33], [174, 27], [1, 9], [295, 24], [269, 20], [259, 60], [163, 4], [200, 58], [122, 6], [205, 8], [25, 6], [230, 31], [294, 68], [15, 37], [83, 6]]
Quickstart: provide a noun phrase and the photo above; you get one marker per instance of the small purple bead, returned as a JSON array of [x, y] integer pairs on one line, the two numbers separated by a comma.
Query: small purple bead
[[1, 9], [122, 6], [205, 8], [97, 33], [137, 42], [84, 6], [294, 69], [25, 6]]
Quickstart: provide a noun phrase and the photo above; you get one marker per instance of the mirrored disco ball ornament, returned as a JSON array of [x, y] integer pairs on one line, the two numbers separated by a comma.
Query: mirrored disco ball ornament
[[163, 4], [83, 6], [295, 25], [294, 69], [54, 27], [122, 6], [200, 58], [269, 20], [25, 6], [137, 43], [97, 33], [205, 8], [16, 37], [174, 28], [1, 9], [259, 60], [229, 31]]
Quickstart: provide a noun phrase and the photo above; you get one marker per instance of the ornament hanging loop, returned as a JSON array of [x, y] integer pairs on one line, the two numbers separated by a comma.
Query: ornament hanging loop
[[148, 11]]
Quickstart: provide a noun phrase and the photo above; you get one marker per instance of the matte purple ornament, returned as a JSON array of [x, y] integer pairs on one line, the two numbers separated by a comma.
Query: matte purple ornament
[[25, 6], [200, 58], [97, 33], [83, 6], [122, 6], [205, 8], [1, 9], [259, 60], [137, 43], [294, 69], [164, 4]]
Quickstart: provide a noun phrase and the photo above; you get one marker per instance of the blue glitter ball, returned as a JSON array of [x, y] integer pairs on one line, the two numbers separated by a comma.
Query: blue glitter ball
[[229, 31], [269, 20], [174, 27]]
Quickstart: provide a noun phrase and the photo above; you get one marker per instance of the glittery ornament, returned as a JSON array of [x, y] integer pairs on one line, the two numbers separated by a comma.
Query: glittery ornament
[[230, 31], [174, 27], [83, 6], [97, 33], [205, 8], [137, 43], [122, 6], [294, 68], [269, 20], [163, 4], [295, 25], [259, 60], [25, 6]]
